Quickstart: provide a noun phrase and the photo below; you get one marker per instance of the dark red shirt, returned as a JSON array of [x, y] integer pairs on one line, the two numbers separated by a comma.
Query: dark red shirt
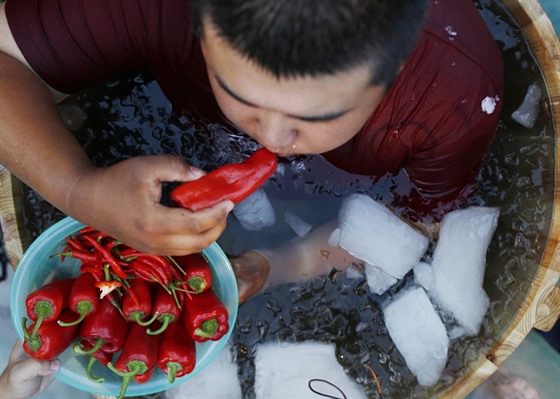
[[431, 122]]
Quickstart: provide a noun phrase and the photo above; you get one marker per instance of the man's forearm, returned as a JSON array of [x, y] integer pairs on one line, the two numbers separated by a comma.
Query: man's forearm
[[35, 145]]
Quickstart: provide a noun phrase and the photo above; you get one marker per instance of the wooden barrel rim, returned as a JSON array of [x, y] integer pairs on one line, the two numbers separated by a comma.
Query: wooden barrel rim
[[540, 309]]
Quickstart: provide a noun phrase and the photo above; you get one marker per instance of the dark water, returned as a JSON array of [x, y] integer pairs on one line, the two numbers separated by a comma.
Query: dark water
[[130, 117]]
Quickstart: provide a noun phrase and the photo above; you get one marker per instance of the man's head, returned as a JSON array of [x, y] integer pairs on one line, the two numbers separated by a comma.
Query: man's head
[[294, 38], [303, 76]]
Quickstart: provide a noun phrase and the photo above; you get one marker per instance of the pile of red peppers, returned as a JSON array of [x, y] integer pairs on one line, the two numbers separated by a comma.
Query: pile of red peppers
[[128, 311]]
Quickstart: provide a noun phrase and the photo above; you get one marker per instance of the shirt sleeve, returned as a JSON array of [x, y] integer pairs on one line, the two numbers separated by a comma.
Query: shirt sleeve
[[72, 44]]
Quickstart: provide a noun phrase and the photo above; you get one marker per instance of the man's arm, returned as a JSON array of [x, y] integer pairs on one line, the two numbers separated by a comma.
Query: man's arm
[[122, 200]]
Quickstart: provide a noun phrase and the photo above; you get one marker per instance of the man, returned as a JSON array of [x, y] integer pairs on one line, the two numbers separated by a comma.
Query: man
[[375, 86]]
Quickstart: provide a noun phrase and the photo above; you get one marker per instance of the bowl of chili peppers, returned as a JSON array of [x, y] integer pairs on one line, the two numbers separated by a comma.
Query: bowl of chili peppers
[[122, 322]]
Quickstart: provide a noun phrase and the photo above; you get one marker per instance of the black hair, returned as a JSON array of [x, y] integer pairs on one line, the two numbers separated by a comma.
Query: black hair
[[295, 38]]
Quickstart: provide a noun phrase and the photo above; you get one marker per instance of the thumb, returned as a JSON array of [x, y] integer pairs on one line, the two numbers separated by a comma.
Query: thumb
[[174, 168]]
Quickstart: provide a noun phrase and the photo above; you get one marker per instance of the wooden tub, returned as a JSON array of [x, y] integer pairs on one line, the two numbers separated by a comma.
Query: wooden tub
[[541, 307]]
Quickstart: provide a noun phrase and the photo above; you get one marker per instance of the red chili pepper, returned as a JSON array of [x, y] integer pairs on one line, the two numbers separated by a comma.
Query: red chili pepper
[[108, 324], [139, 309], [107, 256], [138, 357], [166, 309], [83, 298], [230, 182], [177, 352], [84, 256], [49, 340], [205, 316], [46, 303], [198, 272]]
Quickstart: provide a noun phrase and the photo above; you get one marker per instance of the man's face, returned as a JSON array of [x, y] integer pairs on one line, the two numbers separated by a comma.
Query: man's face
[[309, 115]]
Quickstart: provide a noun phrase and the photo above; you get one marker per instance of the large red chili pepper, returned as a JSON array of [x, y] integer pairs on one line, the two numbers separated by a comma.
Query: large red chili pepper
[[46, 303], [198, 274], [138, 357], [177, 352], [108, 324], [138, 306], [83, 298], [230, 182], [205, 316], [49, 340], [166, 309]]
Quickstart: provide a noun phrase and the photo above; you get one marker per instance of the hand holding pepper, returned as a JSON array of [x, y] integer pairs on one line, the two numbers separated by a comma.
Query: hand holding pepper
[[25, 376], [123, 200]]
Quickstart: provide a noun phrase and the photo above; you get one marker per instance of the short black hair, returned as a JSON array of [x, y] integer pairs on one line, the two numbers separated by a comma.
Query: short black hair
[[295, 38]]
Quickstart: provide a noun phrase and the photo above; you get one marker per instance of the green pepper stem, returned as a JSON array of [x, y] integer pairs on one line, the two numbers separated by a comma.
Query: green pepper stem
[[33, 341], [135, 367], [165, 319], [80, 350], [83, 308], [207, 329], [42, 309], [172, 368], [137, 316], [197, 283], [90, 364], [177, 265]]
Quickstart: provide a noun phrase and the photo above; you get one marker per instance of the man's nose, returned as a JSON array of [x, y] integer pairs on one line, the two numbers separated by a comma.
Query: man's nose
[[275, 131]]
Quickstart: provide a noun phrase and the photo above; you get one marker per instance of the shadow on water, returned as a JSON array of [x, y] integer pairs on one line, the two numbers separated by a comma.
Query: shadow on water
[[130, 117]]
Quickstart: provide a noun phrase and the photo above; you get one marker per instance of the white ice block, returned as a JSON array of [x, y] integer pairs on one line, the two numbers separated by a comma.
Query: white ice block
[[424, 276], [419, 334], [528, 111], [300, 226], [284, 370], [255, 212], [377, 280], [459, 262], [374, 234]]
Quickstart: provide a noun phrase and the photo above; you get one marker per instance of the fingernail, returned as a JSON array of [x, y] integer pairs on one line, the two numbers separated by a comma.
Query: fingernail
[[55, 365], [197, 172], [229, 206]]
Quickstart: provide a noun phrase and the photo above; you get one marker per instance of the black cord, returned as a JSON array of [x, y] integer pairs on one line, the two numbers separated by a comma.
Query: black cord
[[324, 394]]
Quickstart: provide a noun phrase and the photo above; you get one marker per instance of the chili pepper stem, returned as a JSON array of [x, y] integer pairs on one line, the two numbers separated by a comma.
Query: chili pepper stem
[[172, 368], [139, 320], [89, 367], [208, 328], [136, 367], [83, 308], [33, 340], [165, 322], [198, 284], [177, 265], [42, 309], [80, 350]]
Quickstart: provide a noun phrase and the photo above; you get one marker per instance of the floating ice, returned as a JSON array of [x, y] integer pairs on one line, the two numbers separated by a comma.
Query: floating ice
[[419, 334], [424, 275], [459, 261], [218, 380], [374, 234], [377, 280], [285, 370], [528, 111], [297, 224], [255, 212], [488, 105]]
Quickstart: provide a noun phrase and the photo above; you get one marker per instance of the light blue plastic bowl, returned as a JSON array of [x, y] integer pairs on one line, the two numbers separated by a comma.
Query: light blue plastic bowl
[[37, 267]]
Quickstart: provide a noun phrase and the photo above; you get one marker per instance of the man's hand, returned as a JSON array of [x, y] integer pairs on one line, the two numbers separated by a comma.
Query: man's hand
[[24, 376], [123, 200]]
